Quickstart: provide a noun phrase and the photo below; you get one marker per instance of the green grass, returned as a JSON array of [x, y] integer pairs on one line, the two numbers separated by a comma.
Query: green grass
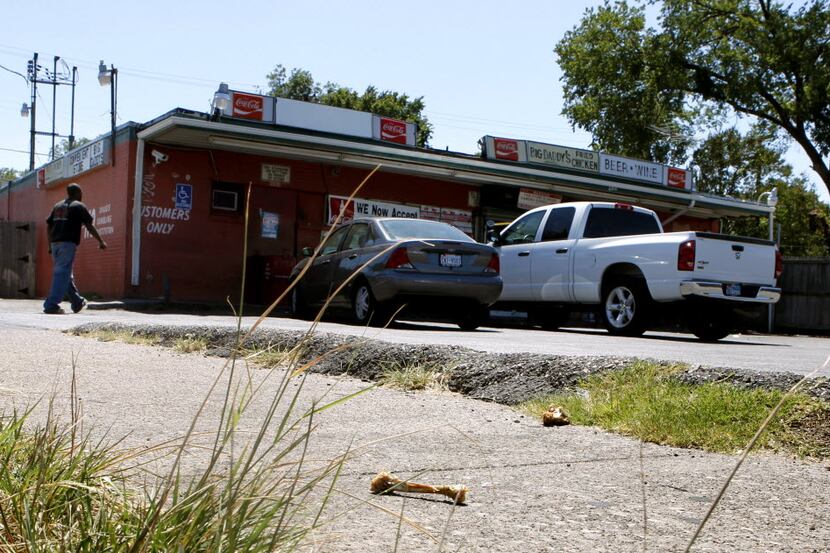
[[644, 401], [190, 345], [125, 336], [404, 376], [272, 357]]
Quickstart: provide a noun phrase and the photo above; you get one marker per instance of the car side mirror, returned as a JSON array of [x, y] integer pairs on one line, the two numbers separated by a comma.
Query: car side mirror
[[307, 251], [493, 237]]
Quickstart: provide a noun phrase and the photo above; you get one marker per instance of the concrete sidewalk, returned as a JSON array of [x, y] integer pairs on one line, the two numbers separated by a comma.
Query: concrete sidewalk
[[531, 488]]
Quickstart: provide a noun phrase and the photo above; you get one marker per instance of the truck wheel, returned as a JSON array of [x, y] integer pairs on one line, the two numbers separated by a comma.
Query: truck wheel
[[299, 307], [365, 308], [624, 307]]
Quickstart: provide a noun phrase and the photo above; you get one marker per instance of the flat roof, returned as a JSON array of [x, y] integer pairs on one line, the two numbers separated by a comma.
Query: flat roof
[[187, 128]]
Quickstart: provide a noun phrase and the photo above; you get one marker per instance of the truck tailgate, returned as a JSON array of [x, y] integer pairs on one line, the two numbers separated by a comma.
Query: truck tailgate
[[725, 258]]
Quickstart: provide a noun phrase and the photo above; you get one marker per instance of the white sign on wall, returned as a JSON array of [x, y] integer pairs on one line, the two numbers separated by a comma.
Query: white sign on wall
[[558, 156], [530, 198], [87, 157], [361, 209], [631, 168]]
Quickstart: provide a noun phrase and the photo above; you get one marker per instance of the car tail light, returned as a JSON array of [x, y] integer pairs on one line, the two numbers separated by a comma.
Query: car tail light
[[399, 260], [494, 266], [686, 256], [779, 264]]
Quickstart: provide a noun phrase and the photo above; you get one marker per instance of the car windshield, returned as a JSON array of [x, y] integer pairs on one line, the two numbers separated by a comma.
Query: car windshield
[[399, 229]]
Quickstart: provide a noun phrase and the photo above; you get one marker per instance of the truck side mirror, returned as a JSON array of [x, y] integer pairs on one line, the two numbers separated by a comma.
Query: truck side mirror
[[492, 235], [307, 251]]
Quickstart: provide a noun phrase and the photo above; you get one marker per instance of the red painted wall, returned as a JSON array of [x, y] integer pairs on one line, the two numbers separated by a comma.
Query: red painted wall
[[199, 254], [97, 273]]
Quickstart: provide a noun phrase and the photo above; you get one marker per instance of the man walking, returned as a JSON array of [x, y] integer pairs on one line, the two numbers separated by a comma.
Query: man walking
[[64, 228]]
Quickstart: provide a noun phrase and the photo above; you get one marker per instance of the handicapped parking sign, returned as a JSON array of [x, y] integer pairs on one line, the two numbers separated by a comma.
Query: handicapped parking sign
[[184, 196]]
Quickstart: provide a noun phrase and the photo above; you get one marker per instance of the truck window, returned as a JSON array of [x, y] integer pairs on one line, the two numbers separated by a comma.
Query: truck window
[[558, 224], [523, 231], [609, 221]]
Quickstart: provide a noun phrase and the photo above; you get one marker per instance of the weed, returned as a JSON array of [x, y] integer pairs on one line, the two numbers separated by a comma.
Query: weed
[[644, 401], [126, 336], [190, 345], [403, 376]]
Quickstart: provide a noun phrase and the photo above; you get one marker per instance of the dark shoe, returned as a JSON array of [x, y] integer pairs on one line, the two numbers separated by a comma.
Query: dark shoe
[[80, 307], [54, 311]]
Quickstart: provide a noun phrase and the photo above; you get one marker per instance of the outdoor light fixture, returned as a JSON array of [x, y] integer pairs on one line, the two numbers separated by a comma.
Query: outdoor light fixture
[[222, 98], [24, 111], [110, 77], [104, 74]]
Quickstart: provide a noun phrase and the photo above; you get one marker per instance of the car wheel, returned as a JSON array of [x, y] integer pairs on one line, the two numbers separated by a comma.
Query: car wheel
[[473, 319], [299, 307], [365, 308], [624, 307]]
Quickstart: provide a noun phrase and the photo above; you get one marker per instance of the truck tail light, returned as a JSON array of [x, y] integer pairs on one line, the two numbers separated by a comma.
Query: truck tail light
[[620, 205], [494, 266], [779, 264], [686, 256], [399, 260]]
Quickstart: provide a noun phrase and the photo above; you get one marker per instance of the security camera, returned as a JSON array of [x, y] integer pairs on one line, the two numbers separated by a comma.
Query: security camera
[[159, 157]]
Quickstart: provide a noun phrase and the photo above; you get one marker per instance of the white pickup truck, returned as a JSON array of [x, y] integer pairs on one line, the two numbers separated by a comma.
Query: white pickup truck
[[560, 258]]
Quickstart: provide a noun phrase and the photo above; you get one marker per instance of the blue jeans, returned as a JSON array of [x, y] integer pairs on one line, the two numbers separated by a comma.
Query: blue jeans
[[63, 283]]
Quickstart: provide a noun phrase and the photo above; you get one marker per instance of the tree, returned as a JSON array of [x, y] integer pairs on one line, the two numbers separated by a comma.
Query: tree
[[62, 147], [612, 91], [7, 174], [708, 59], [745, 166], [300, 85]]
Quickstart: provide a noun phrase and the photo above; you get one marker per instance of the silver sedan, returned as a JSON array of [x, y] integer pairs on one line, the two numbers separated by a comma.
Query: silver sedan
[[430, 269]]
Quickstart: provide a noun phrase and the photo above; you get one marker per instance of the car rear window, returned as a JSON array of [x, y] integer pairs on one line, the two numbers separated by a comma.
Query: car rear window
[[609, 221], [399, 229]]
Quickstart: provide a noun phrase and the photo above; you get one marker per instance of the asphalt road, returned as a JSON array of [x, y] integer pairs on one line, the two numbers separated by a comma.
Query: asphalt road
[[797, 354]]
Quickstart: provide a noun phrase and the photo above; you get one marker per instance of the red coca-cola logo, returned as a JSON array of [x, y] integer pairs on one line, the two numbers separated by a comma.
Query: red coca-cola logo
[[248, 106], [676, 178], [506, 149], [392, 130]]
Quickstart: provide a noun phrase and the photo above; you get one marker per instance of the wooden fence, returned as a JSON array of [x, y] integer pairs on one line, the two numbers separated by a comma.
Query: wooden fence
[[805, 295], [17, 260]]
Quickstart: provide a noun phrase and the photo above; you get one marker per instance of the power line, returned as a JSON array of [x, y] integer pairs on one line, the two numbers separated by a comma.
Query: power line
[[22, 76]]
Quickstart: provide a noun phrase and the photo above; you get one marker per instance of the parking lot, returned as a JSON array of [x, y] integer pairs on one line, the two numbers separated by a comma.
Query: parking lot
[[797, 354]]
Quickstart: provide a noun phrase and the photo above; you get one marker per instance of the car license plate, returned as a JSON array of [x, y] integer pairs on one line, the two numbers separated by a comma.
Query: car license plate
[[450, 260], [733, 290]]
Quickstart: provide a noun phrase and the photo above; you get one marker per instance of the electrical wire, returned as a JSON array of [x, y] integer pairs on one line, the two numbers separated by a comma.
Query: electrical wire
[[22, 76]]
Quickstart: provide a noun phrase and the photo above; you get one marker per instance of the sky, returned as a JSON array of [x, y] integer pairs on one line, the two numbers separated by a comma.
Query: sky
[[482, 67]]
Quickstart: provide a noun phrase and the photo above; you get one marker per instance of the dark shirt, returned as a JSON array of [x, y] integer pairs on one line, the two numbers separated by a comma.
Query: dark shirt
[[65, 221]]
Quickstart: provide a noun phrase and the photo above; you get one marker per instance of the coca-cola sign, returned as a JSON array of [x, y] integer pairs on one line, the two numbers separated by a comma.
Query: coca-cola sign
[[676, 178], [248, 106], [392, 130], [506, 149]]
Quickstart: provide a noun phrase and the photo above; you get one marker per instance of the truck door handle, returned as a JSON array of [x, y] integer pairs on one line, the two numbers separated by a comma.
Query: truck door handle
[[353, 256], [524, 254], [562, 250]]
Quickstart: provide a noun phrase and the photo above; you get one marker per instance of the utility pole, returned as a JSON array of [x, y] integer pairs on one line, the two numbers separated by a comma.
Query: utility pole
[[54, 80]]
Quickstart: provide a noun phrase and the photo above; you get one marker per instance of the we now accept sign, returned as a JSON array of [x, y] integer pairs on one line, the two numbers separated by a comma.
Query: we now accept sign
[[361, 208]]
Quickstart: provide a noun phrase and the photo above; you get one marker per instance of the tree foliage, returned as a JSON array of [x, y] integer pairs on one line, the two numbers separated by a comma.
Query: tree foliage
[[747, 165], [300, 85], [708, 58], [7, 173]]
